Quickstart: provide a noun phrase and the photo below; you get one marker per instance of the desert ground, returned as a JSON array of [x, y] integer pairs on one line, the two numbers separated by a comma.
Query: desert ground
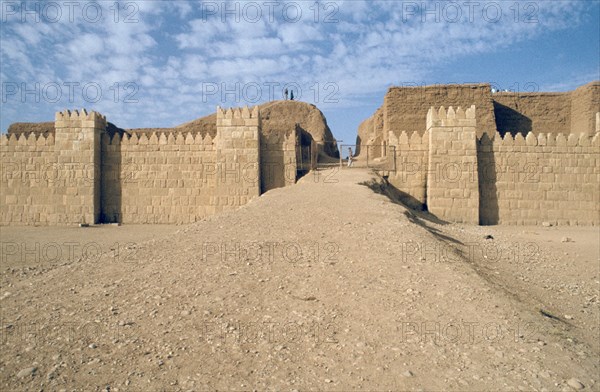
[[329, 284]]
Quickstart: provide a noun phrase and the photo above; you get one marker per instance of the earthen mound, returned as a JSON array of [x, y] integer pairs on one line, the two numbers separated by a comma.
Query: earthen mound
[[280, 116]]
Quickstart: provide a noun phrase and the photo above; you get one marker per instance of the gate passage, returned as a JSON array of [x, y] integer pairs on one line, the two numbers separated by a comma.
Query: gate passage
[[372, 156]]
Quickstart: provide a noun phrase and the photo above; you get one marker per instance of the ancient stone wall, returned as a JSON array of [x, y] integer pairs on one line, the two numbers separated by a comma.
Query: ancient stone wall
[[514, 112], [53, 179], [452, 181], [585, 102], [278, 159], [164, 178], [237, 147], [404, 108], [540, 178], [81, 174], [460, 177], [532, 112], [28, 187], [411, 160]]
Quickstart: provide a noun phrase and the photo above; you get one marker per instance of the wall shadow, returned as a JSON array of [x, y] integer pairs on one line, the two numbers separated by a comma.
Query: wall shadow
[[487, 175], [110, 177], [303, 152], [272, 162], [511, 121], [423, 218]]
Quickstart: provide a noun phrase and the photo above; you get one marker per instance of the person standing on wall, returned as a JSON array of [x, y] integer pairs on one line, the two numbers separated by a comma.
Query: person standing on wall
[[291, 95], [285, 94]]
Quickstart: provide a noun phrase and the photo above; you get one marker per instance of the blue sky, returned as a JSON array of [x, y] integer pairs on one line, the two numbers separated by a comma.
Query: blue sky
[[162, 63]]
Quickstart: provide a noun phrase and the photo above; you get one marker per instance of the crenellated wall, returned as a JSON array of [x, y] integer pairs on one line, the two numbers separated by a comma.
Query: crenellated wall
[[540, 178], [237, 148], [83, 174], [53, 179], [404, 108], [30, 187], [462, 175], [452, 182], [164, 178], [278, 159], [412, 159]]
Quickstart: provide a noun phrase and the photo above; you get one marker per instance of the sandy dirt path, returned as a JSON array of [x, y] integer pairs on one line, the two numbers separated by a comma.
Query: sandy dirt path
[[325, 285]]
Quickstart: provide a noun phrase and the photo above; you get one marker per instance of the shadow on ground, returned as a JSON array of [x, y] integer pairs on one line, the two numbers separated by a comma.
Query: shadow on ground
[[421, 217]]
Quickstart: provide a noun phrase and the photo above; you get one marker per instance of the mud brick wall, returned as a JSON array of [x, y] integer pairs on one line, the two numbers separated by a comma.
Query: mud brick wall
[[540, 178], [53, 179], [278, 164], [164, 178], [585, 105], [532, 112], [405, 108], [238, 156], [412, 159], [452, 180], [80, 174], [565, 113], [27, 186]]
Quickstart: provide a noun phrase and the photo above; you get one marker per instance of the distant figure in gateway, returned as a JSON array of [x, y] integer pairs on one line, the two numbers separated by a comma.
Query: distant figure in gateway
[[349, 156], [285, 94], [291, 95]]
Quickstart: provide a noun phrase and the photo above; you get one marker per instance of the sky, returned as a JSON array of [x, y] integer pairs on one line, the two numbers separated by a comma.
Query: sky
[[163, 63]]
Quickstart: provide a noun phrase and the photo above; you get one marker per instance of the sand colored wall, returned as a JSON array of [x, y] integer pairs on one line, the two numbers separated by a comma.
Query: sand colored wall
[[532, 112], [53, 179], [165, 178], [460, 177], [585, 104], [238, 153], [370, 132], [80, 174], [28, 187], [278, 159], [540, 178], [452, 181], [565, 113], [405, 108], [411, 161]]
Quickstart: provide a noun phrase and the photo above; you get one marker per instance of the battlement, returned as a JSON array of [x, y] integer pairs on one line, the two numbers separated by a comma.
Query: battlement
[[238, 116], [541, 139], [409, 140], [448, 118], [26, 139], [76, 118], [158, 138]]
